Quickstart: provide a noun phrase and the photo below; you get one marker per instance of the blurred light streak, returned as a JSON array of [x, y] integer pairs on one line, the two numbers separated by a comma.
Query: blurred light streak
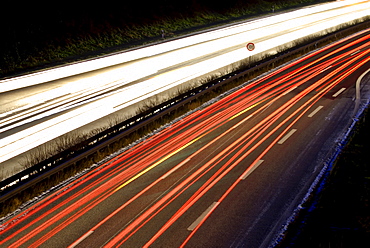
[[202, 123], [169, 54], [304, 108], [214, 179]]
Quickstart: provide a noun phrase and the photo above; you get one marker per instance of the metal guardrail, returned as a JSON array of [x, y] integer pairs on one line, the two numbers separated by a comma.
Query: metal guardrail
[[11, 186]]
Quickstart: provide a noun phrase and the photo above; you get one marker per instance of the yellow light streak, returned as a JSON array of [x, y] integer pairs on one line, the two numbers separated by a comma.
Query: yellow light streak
[[243, 111], [156, 163]]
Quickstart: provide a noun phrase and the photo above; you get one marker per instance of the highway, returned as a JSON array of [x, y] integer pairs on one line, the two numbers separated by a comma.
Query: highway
[[37, 108], [227, 175]]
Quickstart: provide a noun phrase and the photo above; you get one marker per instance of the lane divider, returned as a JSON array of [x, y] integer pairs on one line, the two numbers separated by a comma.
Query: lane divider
[[203, 215], [81, 239], [315, 111], [251, 169], [287, 136], [338, 92], [175, 168]]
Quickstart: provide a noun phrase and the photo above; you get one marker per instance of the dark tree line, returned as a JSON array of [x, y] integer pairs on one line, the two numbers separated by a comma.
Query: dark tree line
[[32, 25], [28, 22]]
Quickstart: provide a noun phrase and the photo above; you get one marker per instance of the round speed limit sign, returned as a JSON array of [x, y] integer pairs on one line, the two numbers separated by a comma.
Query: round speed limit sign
[[250, 46]]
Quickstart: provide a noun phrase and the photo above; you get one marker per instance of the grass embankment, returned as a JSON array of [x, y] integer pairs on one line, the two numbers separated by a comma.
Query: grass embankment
[[340, 216], [42, 37]]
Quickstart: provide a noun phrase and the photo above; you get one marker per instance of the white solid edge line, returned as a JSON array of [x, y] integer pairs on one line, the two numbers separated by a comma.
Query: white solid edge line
[[202, 216], [338, 92], [287, 136], [80, 239], [315, 111], [249, 171]]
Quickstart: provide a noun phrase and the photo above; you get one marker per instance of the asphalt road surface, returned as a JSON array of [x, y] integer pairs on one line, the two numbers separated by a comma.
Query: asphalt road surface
[[228, 175]]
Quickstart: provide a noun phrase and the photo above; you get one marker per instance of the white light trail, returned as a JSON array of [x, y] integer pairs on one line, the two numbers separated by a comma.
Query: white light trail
[[158, 68]]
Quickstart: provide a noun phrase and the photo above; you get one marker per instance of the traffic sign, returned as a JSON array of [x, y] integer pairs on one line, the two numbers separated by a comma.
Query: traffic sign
[[250, 46]]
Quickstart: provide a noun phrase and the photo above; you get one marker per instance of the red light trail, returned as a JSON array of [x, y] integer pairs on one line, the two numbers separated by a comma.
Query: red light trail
[[298, 85]]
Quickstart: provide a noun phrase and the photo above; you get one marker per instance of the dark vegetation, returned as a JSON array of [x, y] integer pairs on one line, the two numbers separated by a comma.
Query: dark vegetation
[[35, 36]]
